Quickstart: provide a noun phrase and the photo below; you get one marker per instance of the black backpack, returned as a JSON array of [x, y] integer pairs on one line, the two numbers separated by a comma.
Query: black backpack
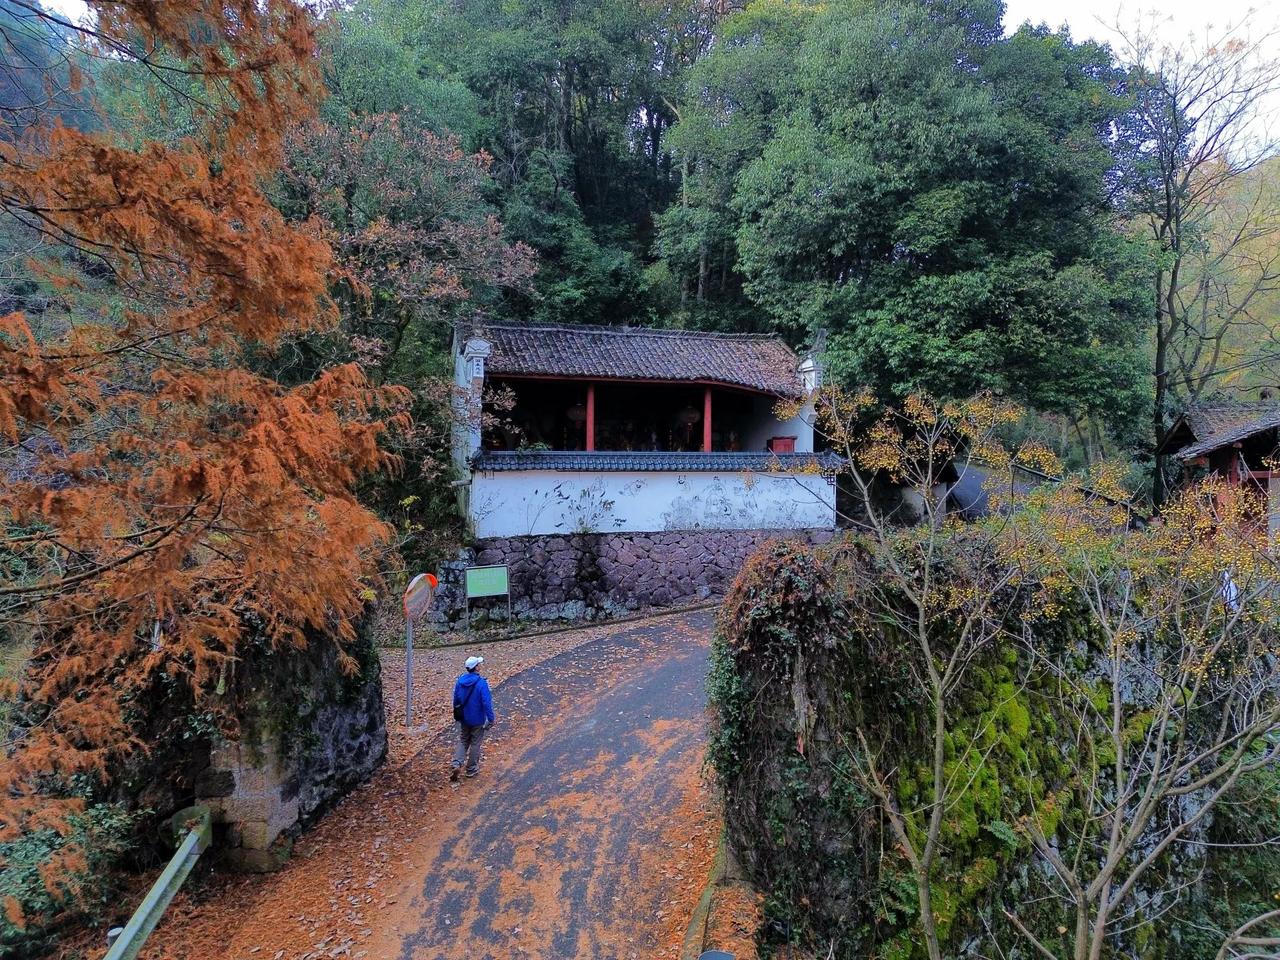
[[459, 707]]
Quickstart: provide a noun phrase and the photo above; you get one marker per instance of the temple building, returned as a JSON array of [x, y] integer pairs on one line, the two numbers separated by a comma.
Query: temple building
[[600, 429], [613, 469]]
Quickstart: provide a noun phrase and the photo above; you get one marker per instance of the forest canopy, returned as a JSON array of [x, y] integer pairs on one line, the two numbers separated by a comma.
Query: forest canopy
[[952, 203]]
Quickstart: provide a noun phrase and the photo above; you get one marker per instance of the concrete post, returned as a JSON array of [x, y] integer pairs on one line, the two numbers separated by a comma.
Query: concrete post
[[470, 376]]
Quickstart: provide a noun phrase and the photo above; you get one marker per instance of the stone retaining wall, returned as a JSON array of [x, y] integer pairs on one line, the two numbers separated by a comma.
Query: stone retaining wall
[[309, 734], [577, 576]]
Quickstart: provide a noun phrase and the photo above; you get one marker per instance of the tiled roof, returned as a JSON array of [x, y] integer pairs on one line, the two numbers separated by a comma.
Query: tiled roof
[[610, 462], [1216, 423], [755, 362]]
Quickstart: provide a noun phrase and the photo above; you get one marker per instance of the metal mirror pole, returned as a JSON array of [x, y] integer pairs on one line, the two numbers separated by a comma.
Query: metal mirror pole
[[408, 672], [417, 601]]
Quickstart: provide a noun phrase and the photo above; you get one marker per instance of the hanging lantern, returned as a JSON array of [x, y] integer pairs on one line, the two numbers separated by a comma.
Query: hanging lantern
[[577, 413], [689, 416]]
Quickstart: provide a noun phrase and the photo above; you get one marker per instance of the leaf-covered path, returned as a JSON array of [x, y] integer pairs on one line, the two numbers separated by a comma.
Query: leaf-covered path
[[558, 848], [589, 832]]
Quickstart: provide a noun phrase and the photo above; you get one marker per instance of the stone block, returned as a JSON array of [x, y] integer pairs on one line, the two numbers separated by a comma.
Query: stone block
[[256, 834], [242, 809], [253, 860], [577, 576], [225, 755], [251, 780], [283, 817], [213, 782]]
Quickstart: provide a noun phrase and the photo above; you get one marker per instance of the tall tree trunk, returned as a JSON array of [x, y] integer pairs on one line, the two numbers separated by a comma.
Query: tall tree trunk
[[563, 142], [702, 270], [684, 202], [1159, 483], [1084, 442], [1099, 441]]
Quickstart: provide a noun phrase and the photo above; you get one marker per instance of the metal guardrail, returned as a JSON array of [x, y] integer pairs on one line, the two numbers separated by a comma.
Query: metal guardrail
[[124, 943]]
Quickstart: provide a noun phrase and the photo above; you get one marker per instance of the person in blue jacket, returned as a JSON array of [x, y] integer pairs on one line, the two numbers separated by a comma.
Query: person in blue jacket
[[473, 709]]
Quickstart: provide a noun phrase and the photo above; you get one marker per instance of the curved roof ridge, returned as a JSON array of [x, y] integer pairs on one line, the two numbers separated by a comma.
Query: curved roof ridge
[[479, 326]]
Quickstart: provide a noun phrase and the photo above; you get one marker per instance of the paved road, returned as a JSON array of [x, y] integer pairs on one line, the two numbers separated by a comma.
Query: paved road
[[557, 850]]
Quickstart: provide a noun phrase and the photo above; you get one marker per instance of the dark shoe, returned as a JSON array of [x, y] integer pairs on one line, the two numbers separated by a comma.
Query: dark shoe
[[453, 775], [471, 773]]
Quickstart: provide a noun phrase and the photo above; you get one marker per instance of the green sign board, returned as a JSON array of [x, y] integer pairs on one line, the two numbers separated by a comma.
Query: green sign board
[[487, 582]]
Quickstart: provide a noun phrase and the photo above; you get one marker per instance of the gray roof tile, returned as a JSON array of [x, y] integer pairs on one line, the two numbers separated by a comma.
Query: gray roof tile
[[754, 362], [1217, 423]]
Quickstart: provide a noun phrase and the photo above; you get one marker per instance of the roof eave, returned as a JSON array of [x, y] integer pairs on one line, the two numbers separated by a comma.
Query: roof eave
[[691, 381]]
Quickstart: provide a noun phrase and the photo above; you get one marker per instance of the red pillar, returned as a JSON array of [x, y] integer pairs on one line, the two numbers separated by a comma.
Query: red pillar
[[591, 416], [706, 421]]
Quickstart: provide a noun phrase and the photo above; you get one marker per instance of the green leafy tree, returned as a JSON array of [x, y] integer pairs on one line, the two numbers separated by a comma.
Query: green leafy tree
[[376, 62], [933, 194], [730, 110], [570, 99]]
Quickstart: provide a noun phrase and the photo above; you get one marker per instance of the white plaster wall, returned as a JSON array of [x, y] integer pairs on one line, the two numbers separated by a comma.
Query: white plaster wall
[[527, 502], [767, 425]]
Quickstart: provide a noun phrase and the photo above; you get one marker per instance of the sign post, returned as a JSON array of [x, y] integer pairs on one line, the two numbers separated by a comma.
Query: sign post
[[417, 601], [491, 581]]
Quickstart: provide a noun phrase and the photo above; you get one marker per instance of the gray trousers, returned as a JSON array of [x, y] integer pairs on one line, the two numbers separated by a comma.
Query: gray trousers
[[469, 741]]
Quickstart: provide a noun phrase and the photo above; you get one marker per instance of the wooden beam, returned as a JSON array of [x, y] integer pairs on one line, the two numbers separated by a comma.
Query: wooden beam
[[591, 417], [706, 420]]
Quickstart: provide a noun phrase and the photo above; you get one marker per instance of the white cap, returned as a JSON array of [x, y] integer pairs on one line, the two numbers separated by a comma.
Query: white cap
[[473, 662]]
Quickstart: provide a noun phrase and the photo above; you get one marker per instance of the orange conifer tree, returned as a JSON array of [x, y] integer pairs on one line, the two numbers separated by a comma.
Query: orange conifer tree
[[158, 494]]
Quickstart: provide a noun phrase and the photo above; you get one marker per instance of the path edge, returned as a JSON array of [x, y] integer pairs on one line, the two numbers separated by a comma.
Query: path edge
[[695, 937], [655, 614]]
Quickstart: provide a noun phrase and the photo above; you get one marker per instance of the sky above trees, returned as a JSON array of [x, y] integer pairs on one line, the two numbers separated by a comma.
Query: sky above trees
[[1175, 21]]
